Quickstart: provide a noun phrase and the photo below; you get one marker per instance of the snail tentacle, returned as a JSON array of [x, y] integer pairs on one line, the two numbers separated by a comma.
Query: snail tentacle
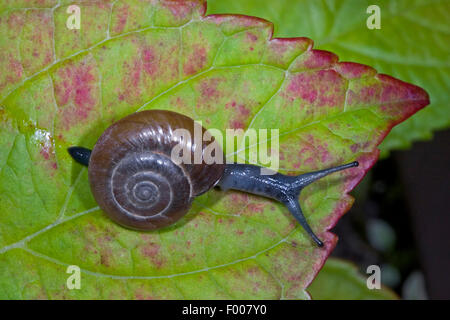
[[283, 188], [294, 208]]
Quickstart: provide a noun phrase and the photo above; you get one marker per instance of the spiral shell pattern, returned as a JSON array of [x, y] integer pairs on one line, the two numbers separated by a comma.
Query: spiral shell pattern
[[133, 178]]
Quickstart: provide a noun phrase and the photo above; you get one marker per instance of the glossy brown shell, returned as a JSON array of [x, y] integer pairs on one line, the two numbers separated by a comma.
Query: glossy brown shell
[[133, 178]]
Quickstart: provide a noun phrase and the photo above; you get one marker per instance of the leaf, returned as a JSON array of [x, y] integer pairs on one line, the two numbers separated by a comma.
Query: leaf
[[411, 45], [340, 280], [63, 87]]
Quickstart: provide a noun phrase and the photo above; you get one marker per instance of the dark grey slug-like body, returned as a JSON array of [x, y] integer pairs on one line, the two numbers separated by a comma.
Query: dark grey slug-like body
[[149, 183], [280, 187]]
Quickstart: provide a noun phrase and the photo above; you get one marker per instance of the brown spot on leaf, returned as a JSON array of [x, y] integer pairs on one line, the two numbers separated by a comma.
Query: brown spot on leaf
[[196, 60], [75, 88], [152, 252], [180, 9], [122, 16], [251, 37], [321, 88]]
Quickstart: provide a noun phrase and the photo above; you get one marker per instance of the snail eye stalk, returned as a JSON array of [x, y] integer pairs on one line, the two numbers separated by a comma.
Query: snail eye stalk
[[301, 181], [80, 155], [283, 188]]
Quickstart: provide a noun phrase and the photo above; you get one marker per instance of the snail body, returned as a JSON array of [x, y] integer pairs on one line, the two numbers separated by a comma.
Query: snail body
[[136, 182]]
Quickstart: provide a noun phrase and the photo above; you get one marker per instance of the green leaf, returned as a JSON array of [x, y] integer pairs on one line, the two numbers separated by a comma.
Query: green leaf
[[63, 87], [340, 280], [411, 45]]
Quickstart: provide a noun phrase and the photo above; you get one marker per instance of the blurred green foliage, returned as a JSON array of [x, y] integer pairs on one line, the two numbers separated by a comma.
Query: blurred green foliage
[[341, 280]]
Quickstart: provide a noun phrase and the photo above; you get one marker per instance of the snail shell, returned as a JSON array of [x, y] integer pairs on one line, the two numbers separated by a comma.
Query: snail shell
[[133, 178]]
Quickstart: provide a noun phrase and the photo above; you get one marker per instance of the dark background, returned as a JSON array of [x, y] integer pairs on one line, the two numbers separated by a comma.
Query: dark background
[[400, 220]]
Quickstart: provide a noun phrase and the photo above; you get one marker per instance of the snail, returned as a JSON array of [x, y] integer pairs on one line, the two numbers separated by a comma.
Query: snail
[[136, 182]]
